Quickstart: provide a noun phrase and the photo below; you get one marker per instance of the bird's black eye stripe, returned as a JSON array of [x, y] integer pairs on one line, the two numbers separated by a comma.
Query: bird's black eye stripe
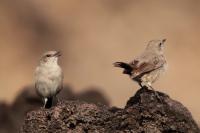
[[48, 55]]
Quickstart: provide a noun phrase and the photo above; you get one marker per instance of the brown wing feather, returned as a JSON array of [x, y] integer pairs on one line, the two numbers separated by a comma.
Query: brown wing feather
[[145, 67]]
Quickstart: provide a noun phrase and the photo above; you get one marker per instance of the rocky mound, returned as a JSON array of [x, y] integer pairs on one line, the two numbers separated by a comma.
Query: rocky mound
[[144, 113], [12, 116]]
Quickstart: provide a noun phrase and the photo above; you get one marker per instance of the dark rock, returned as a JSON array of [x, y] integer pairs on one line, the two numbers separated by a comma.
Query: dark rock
[[144, 113], [12, 116]]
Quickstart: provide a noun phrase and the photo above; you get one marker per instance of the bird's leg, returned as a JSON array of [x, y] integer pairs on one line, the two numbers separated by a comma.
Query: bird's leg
[[45, 102], [144, 84], [140, 84]]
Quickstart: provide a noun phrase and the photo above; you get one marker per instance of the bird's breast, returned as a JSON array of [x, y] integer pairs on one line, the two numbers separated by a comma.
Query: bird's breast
[[52, 77]]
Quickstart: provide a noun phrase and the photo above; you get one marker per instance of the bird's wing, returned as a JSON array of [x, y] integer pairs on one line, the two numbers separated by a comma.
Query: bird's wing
[[57, 80], [142, 66], [60, 87], [40, 88]]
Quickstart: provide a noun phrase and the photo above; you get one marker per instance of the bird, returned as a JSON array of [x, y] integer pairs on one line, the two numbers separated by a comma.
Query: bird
[[48, 77], [146, 68]]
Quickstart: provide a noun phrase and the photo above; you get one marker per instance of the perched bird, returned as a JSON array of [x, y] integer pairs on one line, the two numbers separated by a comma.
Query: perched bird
[[146, 68], [48, 77]]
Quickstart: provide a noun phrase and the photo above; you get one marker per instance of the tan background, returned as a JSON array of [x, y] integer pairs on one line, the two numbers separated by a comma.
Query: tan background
[[93, 34]]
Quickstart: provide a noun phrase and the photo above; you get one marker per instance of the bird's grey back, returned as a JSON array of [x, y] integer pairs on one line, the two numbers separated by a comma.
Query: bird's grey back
[[147, 62]]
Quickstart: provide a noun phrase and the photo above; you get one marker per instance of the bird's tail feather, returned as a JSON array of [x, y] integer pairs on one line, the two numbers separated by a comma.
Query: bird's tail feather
[[49, 102], [127, 67], [122, 65]]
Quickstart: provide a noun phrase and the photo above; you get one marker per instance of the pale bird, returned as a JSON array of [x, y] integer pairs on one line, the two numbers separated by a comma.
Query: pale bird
[[48, 77], [147, 67]]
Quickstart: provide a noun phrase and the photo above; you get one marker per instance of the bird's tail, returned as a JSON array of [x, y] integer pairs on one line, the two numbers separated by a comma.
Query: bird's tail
[[127, 68], [48, 102]]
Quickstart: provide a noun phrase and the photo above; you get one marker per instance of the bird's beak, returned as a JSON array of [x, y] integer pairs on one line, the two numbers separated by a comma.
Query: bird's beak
[[57, 54], [164, 40]]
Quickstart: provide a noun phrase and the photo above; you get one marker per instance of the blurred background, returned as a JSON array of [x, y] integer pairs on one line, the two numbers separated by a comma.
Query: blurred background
[[92, 34]]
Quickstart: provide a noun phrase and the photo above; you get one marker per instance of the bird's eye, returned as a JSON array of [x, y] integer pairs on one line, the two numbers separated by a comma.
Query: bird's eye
[[160, 44], [48, 55]]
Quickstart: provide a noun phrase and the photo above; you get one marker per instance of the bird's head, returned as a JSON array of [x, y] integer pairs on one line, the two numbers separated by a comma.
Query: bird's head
[[50, 57], [156, 45]]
